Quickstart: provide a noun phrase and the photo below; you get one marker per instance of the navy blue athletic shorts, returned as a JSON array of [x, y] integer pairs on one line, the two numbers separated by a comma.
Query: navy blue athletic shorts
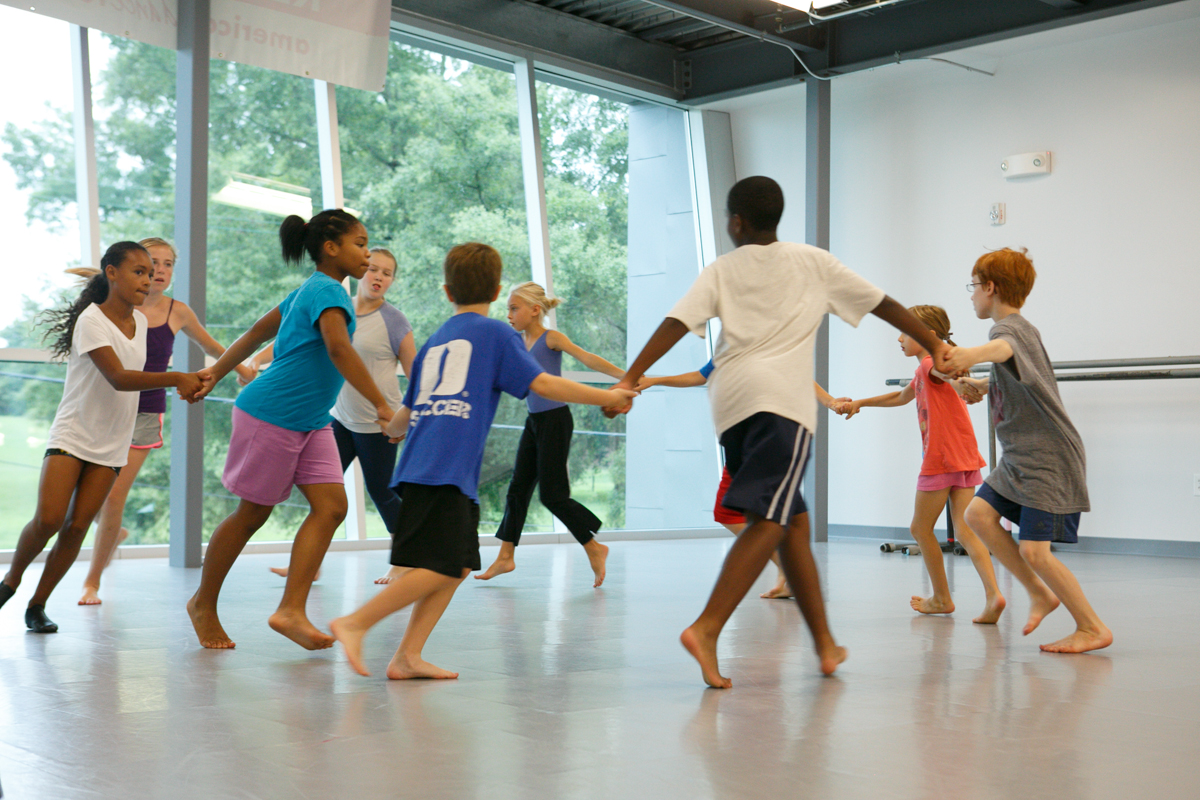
[[766, 455]]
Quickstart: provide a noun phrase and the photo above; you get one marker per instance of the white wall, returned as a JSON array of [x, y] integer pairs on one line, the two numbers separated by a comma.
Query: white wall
[[915, 168]]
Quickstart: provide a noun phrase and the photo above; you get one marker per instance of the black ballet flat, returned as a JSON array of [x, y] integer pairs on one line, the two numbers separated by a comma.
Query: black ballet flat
[[6, 592], [37, 621]]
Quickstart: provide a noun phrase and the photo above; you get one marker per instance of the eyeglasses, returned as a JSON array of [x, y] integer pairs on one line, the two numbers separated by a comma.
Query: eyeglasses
[[971, 287]]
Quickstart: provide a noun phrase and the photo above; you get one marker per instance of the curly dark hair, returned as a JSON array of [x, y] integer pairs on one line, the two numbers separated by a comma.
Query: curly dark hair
[[61, 321]]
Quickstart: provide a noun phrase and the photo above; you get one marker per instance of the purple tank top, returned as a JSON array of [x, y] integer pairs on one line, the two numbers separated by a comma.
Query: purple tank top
[[551, 361], [159, 343]]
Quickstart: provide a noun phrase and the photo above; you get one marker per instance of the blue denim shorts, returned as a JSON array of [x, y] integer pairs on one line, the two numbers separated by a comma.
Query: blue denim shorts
[[1035, 525]]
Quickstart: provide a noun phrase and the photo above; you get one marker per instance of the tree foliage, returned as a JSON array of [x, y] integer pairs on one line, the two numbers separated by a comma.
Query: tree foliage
[[432, 160]]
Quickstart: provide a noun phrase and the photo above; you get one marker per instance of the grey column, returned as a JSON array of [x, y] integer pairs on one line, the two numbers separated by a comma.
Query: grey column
[[191, 232], [816, 232]]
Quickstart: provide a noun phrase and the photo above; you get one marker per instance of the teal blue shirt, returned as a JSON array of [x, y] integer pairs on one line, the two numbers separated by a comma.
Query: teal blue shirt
[[301, 386]]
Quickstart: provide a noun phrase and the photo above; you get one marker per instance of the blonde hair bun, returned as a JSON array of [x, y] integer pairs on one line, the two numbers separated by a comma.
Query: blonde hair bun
[[533, 294]]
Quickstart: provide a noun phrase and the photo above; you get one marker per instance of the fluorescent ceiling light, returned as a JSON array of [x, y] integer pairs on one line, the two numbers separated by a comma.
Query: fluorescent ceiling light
[[264, 198], [803, 6]]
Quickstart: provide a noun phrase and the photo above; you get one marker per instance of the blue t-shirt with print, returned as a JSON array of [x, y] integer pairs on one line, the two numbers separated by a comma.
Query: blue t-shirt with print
[[453, 393], [300, 387], [707, 369]]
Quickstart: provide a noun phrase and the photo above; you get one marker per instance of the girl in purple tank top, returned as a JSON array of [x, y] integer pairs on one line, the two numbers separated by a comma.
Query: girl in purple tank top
[[546, 441], [165, 317]]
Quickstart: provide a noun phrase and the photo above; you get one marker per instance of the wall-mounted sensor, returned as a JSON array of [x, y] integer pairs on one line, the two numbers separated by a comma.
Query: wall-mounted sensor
[[997, 214], [1026, 164]]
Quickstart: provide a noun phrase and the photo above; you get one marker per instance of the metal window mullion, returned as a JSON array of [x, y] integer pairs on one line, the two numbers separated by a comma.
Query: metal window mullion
[[333, 195], [191, 274], [87, 191], [816, 232]]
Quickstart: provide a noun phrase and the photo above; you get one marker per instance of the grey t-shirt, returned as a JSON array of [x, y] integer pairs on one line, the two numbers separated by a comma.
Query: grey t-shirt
[[1043, 464]]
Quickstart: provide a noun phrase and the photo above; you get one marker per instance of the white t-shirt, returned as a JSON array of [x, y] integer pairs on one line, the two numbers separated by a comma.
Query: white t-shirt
[[94, 421], [377, 338], [770, 300]]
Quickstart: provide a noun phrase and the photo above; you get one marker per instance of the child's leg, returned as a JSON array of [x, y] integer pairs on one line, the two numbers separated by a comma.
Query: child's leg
[[95, 481], [984, 520], [1090, 633], [408, 588], [327, 510], [516, 504], [60, 474], [377, 457], [407, 662], [745, 561], [223, 549], [926, 510], [994, 605], [109, 532], [781, 590], [802, 574]]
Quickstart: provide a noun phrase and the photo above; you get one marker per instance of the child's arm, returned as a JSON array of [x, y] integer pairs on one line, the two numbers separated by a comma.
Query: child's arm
[[134, 380], [552, 387], [396, 426], [683, 381], [406, 353], [196, 332], [557, 340], [969, 389], [961, 359], [889, 400], [263, 330], [903, 320], [332, 324], [669, 332]]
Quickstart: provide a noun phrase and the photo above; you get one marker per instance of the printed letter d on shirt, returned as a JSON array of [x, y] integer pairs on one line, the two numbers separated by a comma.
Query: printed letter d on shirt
[[444, 370]]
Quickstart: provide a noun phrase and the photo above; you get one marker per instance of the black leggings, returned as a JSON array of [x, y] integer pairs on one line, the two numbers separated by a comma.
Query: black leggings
[[378, 458], [542, 462]]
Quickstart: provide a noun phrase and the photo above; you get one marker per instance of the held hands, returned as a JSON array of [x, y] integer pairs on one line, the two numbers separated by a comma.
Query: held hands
[[954, 362], [969, 390], [622, 399], [191, 386], [849, 408], [246, 373]]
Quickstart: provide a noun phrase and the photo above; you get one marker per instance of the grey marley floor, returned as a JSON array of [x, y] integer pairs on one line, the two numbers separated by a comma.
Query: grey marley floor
[[568, 692]]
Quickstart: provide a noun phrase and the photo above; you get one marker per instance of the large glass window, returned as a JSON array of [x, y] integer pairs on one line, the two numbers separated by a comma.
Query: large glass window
[[431, 162]]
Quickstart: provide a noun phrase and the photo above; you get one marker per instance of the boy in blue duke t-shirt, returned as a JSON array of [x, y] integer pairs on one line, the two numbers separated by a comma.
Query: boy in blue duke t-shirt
[[446, 415]]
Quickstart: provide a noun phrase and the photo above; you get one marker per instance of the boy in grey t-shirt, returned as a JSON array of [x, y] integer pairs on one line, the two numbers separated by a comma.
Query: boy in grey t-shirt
[[1040, 482]]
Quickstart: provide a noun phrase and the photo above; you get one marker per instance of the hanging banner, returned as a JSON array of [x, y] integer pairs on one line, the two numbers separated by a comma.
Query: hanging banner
[[339, 41]]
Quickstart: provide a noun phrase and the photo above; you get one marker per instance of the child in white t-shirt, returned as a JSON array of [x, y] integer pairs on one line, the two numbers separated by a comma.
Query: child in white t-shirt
[[771, 297], [103, 337]]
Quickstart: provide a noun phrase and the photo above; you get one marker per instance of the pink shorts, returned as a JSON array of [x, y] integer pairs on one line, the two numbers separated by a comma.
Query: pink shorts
[[265, 461], [949, 480]]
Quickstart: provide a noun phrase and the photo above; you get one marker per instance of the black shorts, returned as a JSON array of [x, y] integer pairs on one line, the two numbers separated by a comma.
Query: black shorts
[[54, 451], [766, 455], [437, 530]]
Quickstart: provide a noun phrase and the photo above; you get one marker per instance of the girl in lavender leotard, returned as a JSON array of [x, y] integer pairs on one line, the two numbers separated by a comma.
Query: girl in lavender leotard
[[165, 317], [546, 440]]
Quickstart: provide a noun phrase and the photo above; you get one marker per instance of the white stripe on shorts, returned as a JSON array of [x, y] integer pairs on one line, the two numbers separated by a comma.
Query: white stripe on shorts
[[794, 471]]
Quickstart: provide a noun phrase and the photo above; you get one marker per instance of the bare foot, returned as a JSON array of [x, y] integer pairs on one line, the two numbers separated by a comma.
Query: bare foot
[[781, 591], [992, 611], [704, 650], [392, 574], [931, 605], [91, 595], [1039, 606], [208, 628], [283, 573], [597, 556], [351, 639], [831, 658], [499, 567], [1081, 641], [298, 628], [403, 669]]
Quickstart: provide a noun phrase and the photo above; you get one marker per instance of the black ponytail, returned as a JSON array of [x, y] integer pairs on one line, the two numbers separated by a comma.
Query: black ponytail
[[62, 320], [297, 236]]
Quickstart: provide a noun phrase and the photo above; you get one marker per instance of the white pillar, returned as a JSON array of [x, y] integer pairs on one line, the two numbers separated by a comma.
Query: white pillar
[[332, 196], [535, 180], [87, 192]]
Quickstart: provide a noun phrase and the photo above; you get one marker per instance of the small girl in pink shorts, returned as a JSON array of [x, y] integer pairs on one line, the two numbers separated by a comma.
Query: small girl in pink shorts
[[281, 423], [950, 469]]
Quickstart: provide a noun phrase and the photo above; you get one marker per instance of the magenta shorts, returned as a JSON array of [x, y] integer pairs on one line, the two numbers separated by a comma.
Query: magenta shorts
[[265, 460], [949, 480]]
